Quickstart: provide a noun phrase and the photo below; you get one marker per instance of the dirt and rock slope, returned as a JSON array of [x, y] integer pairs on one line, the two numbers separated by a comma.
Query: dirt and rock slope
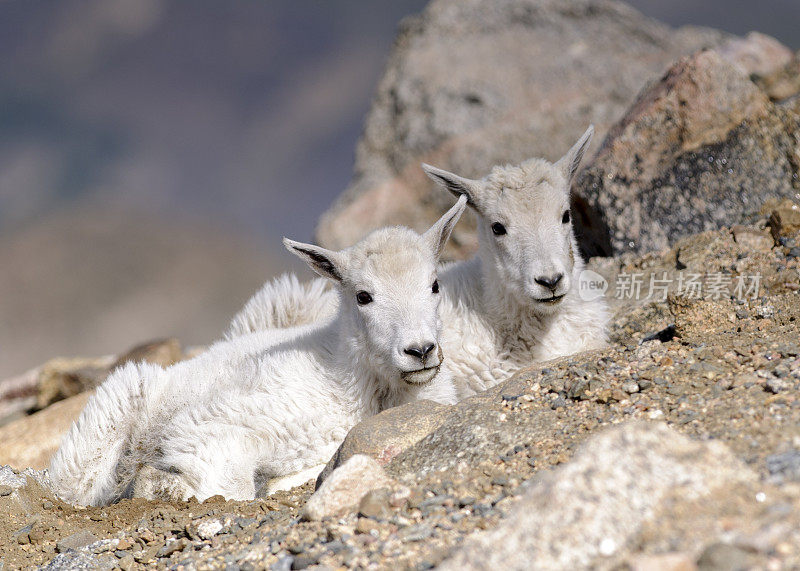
[[677, 447]]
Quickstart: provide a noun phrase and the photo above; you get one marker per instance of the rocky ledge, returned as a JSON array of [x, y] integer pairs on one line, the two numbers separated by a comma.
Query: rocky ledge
[[678, 447]]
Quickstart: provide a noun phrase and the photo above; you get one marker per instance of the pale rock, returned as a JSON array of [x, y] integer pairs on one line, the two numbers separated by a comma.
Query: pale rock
[[389, 433], [752, 239], [343, 489], [756, 54], [30, 441]]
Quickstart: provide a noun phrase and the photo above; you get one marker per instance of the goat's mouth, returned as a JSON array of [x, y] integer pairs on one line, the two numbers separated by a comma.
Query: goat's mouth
[[551, 300], [420, 376]]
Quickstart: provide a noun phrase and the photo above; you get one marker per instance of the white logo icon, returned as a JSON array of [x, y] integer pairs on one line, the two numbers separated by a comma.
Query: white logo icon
[[591, 285]]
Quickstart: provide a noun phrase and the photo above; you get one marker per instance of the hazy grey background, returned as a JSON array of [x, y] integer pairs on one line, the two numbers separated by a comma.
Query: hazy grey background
[[152, 153]]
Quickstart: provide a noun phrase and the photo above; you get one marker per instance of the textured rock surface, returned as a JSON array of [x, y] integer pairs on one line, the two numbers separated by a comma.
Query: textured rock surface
[[345, 487], [66, 377], [471, 84], [784, 83], [385, 435], [757, 54], [472, 432], [29, 442], [586, 510], [75, 541], [701, 149], [18, 395], [784, 219]]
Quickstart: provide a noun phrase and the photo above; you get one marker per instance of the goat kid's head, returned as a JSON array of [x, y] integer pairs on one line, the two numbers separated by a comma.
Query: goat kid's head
[[390, 293], [524, 224]]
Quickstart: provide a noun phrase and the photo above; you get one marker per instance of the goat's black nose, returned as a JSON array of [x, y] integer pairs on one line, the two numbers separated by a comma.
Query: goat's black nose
[[549, 282], [420, 352]]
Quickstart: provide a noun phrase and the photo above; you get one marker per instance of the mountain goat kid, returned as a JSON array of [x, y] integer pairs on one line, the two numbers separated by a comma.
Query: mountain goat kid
[[518, 301], [255, 409], [515, 303]]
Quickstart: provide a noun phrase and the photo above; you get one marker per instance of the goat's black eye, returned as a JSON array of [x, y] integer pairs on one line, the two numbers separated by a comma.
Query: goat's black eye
[[435, 286], [363, 298], [498, 229], [565, 217]]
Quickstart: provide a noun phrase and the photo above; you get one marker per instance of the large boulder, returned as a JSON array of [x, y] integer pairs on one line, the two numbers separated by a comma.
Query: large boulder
[[583, 512], [471, 84], [701, 149]]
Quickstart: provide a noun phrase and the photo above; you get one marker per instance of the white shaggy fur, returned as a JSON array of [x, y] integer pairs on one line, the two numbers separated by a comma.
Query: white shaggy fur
[[290, 302], [497, 317], [270, 404]]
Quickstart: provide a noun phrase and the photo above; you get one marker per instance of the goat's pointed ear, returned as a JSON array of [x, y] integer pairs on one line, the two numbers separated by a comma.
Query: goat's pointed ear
[[324, 262], [569, 163], [438, 234], [458, 185]]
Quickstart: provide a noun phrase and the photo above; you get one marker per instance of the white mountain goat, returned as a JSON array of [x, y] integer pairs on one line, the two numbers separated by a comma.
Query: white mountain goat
[[270, 404], [515, 303], [518, 300]]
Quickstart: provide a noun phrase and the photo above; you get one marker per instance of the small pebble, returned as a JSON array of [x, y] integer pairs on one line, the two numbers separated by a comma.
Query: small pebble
[[631, 387], [297, 549], [723, 556], [608, 546], [303, 561], [36, 535], [334, 546], [172, 547], [775, 385], [416, 533], [126, 562], [366, 525], [781, 371], [283, 564], [75, 541], [375, 504]]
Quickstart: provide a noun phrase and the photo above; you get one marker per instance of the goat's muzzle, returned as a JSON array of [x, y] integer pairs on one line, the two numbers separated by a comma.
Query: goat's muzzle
[[426, 374]]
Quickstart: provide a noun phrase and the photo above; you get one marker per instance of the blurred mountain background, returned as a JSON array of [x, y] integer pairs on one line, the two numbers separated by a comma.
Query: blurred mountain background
[[153, 153]]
